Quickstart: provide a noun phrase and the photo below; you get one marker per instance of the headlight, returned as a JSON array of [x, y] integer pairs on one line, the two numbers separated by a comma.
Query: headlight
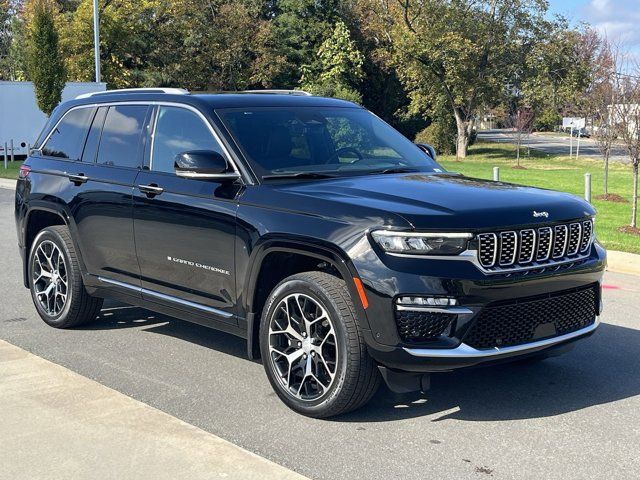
[[421, 243]]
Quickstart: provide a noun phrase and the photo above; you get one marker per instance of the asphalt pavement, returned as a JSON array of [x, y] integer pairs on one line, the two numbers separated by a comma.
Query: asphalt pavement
[[572, 417], [555, 144]]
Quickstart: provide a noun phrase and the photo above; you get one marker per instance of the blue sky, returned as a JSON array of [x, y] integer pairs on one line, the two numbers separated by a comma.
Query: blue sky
[[619, 19]]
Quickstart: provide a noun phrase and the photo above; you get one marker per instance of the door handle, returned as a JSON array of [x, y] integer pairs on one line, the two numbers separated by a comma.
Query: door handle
[[78, 179], [151, 190]]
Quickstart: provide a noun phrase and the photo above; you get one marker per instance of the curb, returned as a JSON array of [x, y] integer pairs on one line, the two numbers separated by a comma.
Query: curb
[[623, 262], [104, 433], [7, 183]]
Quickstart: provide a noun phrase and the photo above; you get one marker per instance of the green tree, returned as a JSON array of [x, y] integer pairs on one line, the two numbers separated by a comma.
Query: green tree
[[466, 50], [300, 27], [557, 73], [44, 62], [338, 69]]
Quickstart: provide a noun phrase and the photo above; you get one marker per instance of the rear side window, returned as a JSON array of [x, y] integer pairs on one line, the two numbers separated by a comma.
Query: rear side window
[[179, 130], [121, 136], [91, 147], [67, 139]]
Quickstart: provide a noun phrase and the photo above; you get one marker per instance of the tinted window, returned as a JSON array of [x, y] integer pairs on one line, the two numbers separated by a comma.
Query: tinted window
[[91, 147], [179, 130], [121, 139], [67, 138], [338, 141]]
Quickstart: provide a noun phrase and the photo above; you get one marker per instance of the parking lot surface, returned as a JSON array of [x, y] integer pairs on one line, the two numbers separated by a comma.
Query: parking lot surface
[[556, 144], [573, 417]]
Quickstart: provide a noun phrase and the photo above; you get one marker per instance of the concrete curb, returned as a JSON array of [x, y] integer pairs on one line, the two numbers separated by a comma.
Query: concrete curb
[[7, 183], [623, 262], [60, 425]]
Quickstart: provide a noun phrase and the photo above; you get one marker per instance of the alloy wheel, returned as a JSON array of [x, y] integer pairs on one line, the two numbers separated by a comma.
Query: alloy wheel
[[303, 347], [50, 279]]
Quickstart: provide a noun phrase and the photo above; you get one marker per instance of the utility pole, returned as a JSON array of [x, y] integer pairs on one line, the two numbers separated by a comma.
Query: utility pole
[[96, 37]]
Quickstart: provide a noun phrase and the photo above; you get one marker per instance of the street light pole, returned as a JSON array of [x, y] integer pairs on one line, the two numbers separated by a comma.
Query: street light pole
[[96, 38]]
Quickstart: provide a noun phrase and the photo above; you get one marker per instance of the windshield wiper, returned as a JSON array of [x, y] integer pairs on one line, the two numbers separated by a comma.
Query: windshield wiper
[[302, 175], [393, 170]]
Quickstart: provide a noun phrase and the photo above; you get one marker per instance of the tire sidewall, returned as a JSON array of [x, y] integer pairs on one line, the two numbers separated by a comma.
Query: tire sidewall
[[53, 236], [281, 291]]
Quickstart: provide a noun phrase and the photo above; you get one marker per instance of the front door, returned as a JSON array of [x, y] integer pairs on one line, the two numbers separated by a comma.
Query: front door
[[185, 228]]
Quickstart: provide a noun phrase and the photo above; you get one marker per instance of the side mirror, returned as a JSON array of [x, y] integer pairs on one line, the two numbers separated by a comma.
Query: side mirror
[[428, 149], [204, 165]]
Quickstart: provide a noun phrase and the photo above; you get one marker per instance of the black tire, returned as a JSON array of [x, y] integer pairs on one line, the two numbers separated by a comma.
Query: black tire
[[78, 307], [356, 375]]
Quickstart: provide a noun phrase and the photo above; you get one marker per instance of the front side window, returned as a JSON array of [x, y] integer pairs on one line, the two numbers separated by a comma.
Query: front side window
[[67, 139], [121, 136], [336, 140], [179, 130]]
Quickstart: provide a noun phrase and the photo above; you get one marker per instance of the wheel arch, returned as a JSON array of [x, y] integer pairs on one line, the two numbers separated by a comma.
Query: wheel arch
[[291, 257], [37, 218]]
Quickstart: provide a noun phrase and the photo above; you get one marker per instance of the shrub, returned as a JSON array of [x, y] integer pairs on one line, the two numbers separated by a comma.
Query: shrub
[[440, 136]]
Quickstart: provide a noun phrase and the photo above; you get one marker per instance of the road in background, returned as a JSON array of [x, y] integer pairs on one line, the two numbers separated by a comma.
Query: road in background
[[555, 144], [573, 417]]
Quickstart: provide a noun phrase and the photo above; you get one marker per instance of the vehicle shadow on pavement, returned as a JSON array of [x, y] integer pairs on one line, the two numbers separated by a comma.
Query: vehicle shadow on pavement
[[601, 369], [118, 316]]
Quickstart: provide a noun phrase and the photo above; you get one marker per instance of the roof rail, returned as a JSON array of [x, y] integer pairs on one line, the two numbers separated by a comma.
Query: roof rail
[[280, 92], [122, 91]]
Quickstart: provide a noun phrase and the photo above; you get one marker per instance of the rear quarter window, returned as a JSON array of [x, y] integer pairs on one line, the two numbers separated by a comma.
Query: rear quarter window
[[121, 140], [67, 138]]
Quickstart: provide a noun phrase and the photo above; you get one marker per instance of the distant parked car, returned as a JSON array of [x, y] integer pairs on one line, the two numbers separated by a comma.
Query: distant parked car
[[581, 132]]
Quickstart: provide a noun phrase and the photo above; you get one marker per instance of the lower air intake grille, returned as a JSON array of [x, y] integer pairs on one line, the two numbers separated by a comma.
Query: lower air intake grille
[[531, 319], [415, 327]]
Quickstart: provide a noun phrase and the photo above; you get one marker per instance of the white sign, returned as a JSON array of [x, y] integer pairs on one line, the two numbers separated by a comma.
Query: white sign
[[573, 122]]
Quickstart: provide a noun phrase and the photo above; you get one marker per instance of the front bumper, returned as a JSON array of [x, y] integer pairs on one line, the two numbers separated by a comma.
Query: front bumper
[[473, 292]]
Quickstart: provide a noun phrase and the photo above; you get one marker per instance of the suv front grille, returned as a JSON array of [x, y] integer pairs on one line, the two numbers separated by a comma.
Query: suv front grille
[[539, 247], [526, 320], [415, 326]]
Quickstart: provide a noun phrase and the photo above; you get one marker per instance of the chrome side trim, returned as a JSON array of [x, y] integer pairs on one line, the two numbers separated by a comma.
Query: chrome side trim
[[472, 257], [465, 351], [169, 298], [451, 310]]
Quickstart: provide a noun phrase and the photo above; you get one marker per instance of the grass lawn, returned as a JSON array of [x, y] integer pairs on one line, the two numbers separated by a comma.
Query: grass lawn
[[12, 169], [559, 173]]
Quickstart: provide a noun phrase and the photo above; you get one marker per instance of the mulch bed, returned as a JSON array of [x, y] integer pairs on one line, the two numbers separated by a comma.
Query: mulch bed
[[630, 230], [612, 197]]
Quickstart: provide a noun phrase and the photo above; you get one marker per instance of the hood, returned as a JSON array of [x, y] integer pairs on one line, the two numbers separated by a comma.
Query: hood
[[430, 201]]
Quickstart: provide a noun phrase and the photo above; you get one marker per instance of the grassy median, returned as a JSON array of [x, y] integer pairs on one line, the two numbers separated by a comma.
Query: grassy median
[[12, 169], [559, 173]]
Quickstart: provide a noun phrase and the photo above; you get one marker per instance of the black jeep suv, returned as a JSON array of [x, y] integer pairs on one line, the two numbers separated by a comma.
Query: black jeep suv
[[341, 251]]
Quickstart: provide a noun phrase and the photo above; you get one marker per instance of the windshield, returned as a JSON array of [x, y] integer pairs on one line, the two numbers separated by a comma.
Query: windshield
[[331, 141]]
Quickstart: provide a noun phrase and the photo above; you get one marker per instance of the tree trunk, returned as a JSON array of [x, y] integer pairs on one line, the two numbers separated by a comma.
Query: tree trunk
[[634, 202], [464, 133], [606, 174]]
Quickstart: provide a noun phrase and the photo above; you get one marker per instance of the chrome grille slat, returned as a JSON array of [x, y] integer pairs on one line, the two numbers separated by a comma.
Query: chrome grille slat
[[561, 234], [528, 248], [487, 249], [587, 234], [573, 244], [545, 242], [508, 248], [527, 245]]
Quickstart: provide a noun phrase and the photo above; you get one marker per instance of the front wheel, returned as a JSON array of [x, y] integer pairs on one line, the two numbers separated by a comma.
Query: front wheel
[[312, 347]]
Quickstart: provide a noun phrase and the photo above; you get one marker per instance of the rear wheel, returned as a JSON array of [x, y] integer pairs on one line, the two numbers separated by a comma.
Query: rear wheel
[[55, 281], [312, 347]]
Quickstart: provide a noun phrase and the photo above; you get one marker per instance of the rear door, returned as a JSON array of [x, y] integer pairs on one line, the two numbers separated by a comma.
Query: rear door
[[100, 192], [185, 231]]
